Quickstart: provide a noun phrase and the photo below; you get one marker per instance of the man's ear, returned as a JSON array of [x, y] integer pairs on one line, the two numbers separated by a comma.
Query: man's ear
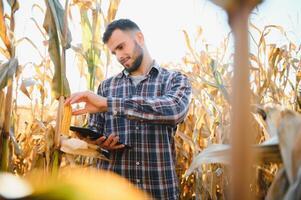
[[139, 37]]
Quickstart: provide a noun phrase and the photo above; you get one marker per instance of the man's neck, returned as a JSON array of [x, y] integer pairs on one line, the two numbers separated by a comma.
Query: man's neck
[[144, 67]]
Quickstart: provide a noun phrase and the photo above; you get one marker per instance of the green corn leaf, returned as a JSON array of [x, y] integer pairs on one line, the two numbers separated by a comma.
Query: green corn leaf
[[7, 70], [54, 25]]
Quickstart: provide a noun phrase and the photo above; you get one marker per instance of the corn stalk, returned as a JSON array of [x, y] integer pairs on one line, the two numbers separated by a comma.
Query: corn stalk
[[92, 27], [241, 130], [206, 127], [55, 24], [91, 41], [7, 71]]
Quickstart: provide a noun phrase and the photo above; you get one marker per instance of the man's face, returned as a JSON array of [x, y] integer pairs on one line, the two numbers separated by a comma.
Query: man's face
[[124, 45]]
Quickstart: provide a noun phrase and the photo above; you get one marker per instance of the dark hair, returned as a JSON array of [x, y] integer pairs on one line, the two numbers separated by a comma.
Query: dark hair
[[122, 24]]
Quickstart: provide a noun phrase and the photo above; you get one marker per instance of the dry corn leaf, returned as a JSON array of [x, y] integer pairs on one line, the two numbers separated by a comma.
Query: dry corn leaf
[[290, 143], [219, 153], [79, 147], [27, 83], [113, 7], [215, 153]]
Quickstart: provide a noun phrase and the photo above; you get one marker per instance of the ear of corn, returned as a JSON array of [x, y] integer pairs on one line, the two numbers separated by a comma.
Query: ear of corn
[[66, 121]]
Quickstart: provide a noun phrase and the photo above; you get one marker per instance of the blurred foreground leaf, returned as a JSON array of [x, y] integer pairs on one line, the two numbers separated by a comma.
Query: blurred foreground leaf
[[74, 184]]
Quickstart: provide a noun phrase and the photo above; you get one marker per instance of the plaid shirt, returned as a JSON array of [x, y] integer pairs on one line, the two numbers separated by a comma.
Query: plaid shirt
[[145, 117]]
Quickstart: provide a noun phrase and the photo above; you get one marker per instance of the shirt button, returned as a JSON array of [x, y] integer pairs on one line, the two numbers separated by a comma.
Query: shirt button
[[137, 180], [137, 163], [114, 112], [137, 127]]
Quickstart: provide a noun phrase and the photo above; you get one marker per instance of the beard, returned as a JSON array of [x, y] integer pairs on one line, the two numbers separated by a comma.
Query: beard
[[138, 60]]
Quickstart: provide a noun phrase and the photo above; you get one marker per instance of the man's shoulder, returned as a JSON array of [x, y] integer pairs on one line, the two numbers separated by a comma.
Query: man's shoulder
[[163, 70], [112, 79], [107, 83]]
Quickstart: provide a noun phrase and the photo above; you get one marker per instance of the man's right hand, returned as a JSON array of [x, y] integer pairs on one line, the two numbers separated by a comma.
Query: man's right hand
[[109, 143]]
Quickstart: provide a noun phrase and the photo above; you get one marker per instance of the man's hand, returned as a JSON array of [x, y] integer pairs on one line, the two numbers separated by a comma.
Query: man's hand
[[93, 102], [109, 143]]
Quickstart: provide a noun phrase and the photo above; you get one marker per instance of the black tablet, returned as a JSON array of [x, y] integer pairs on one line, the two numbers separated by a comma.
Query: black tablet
[[86, 132], [91, 134]]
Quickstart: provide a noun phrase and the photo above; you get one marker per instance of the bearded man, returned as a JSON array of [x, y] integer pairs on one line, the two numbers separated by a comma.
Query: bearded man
[[141, 108]]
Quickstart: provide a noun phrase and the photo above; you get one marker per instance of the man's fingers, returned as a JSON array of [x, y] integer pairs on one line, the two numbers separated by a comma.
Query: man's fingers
[[67, 101], [114, 141], [77, 99], [109, 140], [109, 143], [80, 111], [100, 140], [119, 146]]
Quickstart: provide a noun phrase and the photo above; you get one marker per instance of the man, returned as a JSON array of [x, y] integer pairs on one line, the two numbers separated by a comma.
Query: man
[[140, 107]]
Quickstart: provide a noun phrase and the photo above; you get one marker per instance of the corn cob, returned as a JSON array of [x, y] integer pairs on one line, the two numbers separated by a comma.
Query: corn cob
[[66, 121]]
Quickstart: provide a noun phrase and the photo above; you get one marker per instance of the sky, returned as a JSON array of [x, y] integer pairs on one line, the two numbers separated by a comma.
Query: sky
[[162, 22]]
